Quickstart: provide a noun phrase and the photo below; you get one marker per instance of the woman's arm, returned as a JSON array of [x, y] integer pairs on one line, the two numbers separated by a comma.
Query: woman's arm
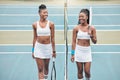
[[53, 38], [94, 37], [34, 38], [74, 35], [34, 34]]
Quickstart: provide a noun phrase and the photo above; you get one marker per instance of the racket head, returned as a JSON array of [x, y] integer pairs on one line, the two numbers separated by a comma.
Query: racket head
[[53, 72]]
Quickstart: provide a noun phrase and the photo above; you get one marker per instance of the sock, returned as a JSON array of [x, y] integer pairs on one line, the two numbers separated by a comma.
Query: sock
[[80, 79], [87, 78], [45, 77]]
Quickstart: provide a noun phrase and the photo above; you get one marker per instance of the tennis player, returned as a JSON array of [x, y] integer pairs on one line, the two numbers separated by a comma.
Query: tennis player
[[81, 49], [43, 42]]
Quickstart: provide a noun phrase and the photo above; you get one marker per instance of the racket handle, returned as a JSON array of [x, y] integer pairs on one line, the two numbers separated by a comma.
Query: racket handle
[[53, 59]]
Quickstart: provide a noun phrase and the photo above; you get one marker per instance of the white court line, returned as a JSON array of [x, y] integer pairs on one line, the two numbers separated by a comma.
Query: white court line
[[96, 30], [57, 44], [25, 25], [19, 30], [57, 15], [97, 14], [15, 25], [49, 6], [106, 14], [55, 25], [106, 25], [79, 7], [34, 7], [59, 30], [58, 52], [30, 15]]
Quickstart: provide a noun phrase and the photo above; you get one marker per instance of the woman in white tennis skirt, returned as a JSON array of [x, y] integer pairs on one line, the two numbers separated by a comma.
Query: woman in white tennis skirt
[[81, 50], [43, 42]]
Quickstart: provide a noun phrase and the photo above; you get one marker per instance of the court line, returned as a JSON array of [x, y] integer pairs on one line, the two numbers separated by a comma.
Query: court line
[[49, 6], [106, 14], [30, 15], [57, 15], [57, 53], [24, 6], [55, 25], [55, 30], [79, 7], [69, 7], [15, 25], [104, 30], [70, 26], [55, 44], [107, 25]]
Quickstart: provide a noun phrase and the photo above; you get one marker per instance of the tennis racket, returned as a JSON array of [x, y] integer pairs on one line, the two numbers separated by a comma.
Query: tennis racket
[[53, 72], [90, 17]]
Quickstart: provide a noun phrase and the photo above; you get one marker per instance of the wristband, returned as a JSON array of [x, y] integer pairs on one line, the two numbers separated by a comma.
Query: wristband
[[72, 52], [54, 51], [91, 36], [33, 50]]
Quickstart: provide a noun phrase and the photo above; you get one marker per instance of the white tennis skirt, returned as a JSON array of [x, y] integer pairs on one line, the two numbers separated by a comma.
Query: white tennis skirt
[[83, 54], [43, 51]]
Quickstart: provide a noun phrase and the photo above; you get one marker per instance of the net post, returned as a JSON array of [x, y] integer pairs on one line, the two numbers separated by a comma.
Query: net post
[[66, 41]]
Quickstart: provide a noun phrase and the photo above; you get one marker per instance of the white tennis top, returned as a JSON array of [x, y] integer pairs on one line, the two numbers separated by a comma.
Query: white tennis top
[[82, 35], [43, 31]]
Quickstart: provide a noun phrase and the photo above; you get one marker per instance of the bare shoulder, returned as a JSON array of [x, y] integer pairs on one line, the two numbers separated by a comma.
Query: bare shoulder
[[51, 24], [75, 28], [34, 25], [92, 27]]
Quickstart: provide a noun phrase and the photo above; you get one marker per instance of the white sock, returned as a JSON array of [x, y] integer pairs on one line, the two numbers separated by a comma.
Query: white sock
[[80, 79], [87, 78], [45, 77]]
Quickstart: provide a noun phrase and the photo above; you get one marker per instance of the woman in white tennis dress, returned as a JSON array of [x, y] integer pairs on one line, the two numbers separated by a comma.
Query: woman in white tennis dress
[[81, 49], [43, 42]]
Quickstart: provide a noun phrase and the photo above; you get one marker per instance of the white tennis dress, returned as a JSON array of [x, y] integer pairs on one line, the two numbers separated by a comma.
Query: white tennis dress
[[82, 53], [43, 51]]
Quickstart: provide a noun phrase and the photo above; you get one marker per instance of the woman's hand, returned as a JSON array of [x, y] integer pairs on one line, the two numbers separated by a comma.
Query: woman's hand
[[72, 58], [33, 56], [54, 55], [90, 32]]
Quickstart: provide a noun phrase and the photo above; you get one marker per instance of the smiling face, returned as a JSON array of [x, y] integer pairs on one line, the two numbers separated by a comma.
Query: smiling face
[[43, 13], [83, 18]]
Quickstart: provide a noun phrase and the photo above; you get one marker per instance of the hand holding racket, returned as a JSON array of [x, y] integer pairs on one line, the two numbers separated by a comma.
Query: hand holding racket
[[72, 58], [90, 31], [33, 56], [53, 72], [54, 55]]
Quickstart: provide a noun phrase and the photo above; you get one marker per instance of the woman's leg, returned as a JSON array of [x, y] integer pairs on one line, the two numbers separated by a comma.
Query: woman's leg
[[80, 70], [46, 68], [87, 66], [40, 65]]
